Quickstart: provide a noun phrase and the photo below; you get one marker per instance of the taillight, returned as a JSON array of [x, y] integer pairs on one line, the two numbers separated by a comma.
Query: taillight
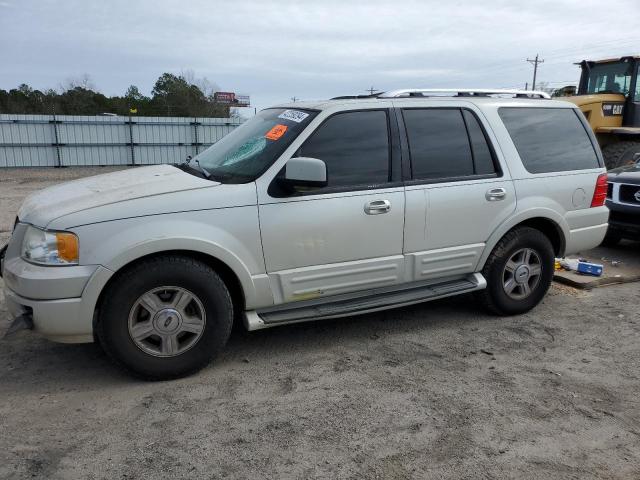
[[600, 193]]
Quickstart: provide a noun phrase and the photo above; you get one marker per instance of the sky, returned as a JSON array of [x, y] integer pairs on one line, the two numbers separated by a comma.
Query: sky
[[276, 50]]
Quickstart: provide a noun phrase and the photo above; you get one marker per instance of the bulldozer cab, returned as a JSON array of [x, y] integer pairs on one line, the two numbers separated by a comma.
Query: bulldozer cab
[[619, 77], [609, 97]]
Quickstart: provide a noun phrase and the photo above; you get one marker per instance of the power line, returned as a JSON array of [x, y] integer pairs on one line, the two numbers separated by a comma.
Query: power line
[[575, 53], [535, 64]]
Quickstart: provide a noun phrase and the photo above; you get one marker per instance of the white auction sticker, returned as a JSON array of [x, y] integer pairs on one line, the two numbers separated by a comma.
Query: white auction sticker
[[293, 115]]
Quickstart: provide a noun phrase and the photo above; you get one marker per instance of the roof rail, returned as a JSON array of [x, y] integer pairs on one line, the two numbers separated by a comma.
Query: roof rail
[[462, 92], [354, 97]]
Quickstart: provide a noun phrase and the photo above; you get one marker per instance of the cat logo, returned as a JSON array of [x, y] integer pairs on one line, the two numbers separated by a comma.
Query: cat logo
[[612, 109]]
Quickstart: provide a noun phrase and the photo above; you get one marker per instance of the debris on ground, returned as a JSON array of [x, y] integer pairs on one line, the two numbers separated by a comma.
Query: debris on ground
[[580, 265]]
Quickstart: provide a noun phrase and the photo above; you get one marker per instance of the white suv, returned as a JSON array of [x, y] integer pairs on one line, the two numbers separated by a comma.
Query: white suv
[[311, 211]]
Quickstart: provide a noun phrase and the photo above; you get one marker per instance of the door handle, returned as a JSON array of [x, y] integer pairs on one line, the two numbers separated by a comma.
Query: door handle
[[495, 194], [376, 207]]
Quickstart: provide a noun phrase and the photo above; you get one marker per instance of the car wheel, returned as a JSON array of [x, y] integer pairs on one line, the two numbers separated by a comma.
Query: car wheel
[[518, 272], [165, 317], [611, 239]]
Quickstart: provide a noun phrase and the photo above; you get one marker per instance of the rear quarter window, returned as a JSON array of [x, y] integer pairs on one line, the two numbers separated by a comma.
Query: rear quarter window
[[550, 139]]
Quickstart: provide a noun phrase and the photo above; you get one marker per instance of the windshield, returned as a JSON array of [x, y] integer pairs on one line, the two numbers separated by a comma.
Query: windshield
[[610, 78], [245, 153]]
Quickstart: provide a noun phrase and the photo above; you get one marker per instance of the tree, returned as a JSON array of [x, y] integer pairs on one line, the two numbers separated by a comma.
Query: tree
[[83, 81], [174, 95], [134, 94]]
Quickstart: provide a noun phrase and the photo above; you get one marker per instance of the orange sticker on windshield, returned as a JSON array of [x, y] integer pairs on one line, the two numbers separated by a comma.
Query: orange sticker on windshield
[[276, 132]]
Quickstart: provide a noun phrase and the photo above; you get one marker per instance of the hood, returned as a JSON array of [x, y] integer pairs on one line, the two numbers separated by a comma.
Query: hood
[[46, 205], [625, 174]]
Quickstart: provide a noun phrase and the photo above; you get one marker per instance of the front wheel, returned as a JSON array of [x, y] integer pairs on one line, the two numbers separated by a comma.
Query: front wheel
[[518, 272], [165, 317]]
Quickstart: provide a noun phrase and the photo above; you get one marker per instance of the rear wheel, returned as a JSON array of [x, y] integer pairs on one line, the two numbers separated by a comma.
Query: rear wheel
[[620, 153], [165, 317], [518, 272]]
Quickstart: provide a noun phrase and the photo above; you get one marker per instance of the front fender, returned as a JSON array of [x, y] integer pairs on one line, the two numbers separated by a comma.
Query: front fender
[[229, 235], [198, 245]]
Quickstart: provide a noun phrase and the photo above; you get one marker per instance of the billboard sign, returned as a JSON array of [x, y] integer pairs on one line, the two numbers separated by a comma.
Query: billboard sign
[[230, 98], [243, 100], [224, 97]]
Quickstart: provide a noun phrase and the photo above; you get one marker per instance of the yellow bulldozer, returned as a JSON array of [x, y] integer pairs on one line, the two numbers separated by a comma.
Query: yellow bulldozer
[[609, 96]]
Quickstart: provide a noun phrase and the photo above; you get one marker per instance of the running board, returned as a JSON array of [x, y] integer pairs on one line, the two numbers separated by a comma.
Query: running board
[[358, 303]]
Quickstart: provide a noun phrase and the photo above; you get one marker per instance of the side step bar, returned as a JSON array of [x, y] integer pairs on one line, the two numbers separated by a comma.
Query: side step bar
[[358, 303]]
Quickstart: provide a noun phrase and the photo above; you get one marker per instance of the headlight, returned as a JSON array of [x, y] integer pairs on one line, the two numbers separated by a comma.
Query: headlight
[[50, 248]]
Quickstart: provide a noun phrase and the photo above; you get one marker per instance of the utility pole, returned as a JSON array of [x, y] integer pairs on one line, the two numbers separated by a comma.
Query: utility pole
[[371, 90], [535, 62]]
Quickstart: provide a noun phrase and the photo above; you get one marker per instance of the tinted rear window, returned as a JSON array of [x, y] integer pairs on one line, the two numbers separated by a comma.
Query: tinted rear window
[[482, 156], [438, 143], [549, 139]]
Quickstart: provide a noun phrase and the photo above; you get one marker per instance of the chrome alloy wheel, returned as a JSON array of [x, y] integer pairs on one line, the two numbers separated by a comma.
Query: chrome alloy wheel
[[166, 321], [522, 273]]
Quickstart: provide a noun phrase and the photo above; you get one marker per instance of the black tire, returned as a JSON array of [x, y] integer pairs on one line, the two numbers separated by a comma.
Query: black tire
[[620, 153], [123, 293], [611, 239], [494, 298]]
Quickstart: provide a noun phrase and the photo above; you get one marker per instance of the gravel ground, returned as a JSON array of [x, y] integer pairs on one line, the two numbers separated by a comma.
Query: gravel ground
[[439, 390]]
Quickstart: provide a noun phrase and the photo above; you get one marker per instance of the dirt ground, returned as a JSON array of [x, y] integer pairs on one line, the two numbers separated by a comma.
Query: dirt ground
[[438, 390]]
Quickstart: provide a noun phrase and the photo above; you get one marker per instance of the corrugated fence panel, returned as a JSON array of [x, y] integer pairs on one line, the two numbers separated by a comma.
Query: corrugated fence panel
[[16, 151], [70, 140], [213, 129], [75, 155], [147, 155]]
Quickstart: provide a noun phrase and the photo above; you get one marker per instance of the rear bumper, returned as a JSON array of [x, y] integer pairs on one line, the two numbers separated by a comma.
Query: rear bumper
[[586, 238]]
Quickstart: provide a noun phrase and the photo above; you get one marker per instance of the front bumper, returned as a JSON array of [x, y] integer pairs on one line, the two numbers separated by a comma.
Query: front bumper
[[625, 227], [624, 219], [45, 283], [60, 300], [59, 320]]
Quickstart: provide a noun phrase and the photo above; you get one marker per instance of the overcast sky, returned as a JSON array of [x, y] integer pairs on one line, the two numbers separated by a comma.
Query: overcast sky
[[308, 49]]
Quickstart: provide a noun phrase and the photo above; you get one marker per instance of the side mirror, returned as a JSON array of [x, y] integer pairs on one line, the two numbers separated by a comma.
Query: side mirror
[[305, 172]]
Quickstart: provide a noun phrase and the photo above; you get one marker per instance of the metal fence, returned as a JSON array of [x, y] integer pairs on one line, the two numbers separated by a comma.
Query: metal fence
[[69, 140]]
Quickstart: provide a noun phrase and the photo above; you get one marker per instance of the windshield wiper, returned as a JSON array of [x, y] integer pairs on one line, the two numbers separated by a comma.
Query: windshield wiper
[[229, 177], [199, 170], [202, 169]]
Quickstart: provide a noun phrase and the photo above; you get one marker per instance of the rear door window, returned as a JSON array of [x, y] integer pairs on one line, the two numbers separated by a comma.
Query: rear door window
[[550, 139], [438, 143], [482, 155], [446, 143]]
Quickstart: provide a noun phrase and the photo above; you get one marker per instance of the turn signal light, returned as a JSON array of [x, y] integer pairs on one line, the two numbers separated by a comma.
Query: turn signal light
[[67, 246]]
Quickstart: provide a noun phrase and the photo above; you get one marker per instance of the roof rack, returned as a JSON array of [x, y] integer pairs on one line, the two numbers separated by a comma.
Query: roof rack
[[462, 92], [354, 97]]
